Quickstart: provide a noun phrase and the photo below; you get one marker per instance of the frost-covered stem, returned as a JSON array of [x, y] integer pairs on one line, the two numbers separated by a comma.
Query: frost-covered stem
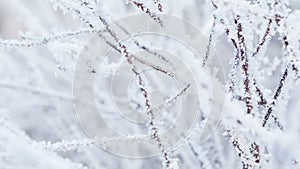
[[179, 94], [142, 61], [154, 130], [196, 154], [234, 65], [260, 94], [71, 9], [263, 102], [38, 41], [237, 56], [202, 158], [172, 100], [241, 153], [276, 95], [290, 50], [64, 145], [211, 34], [264, 38], [159, 5], [245, 66], [145, 48], [145, 9], [284, 35], [277, 122], [152, 52], [255, 151]]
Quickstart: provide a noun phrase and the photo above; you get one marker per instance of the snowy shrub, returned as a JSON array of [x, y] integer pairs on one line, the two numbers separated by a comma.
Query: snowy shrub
[[231, 97]]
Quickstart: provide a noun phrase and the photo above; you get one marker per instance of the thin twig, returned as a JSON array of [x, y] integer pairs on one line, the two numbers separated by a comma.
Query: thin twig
[[245, 66]]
